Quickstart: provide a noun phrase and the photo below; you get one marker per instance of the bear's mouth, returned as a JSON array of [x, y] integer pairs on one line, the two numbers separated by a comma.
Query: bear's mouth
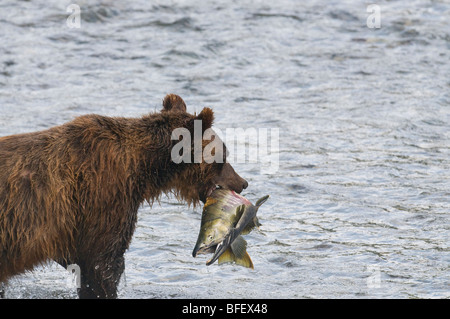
[[208, 192]]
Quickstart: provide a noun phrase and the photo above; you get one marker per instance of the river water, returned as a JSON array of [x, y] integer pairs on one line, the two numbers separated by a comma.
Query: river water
[[360, 184]]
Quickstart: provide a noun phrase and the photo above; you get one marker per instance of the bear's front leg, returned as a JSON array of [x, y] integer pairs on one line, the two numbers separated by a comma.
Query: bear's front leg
[[99, 280]]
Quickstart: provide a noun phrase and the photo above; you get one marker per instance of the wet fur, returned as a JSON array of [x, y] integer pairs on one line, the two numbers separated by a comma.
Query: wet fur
[[71, 193]]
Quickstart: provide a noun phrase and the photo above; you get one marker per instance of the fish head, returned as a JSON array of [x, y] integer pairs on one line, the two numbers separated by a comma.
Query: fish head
[[211, 234]]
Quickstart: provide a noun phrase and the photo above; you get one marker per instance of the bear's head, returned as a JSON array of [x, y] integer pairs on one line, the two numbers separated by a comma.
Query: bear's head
[[199, 153]]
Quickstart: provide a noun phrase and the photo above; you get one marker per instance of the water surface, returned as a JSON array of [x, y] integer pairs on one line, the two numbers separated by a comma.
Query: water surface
[[359, 205]]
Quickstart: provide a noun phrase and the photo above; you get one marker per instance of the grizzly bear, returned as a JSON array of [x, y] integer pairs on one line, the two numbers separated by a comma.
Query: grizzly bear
[[71, 193]]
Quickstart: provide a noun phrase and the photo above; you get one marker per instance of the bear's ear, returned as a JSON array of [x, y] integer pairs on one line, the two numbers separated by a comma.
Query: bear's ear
[[173, 103], [207, 117]]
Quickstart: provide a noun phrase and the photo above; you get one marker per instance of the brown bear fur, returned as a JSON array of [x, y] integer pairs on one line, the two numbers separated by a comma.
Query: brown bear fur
[[71, 193]]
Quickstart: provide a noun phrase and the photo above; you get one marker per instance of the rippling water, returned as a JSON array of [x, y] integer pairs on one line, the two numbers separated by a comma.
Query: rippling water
[[359, 206]]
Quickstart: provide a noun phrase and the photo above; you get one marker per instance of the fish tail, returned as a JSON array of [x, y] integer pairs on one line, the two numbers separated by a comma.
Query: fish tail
[[245, 261], [261, 201], [228, 257]]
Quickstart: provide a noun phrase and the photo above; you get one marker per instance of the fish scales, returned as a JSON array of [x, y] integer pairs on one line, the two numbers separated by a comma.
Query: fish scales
[[226, 216]]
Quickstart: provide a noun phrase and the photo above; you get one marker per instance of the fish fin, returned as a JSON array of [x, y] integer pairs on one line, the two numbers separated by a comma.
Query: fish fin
[[227, 257], [239, 211], [242, 258], [255, 221], [252, 224], [261, 201], [238, 246], [245, 261]]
